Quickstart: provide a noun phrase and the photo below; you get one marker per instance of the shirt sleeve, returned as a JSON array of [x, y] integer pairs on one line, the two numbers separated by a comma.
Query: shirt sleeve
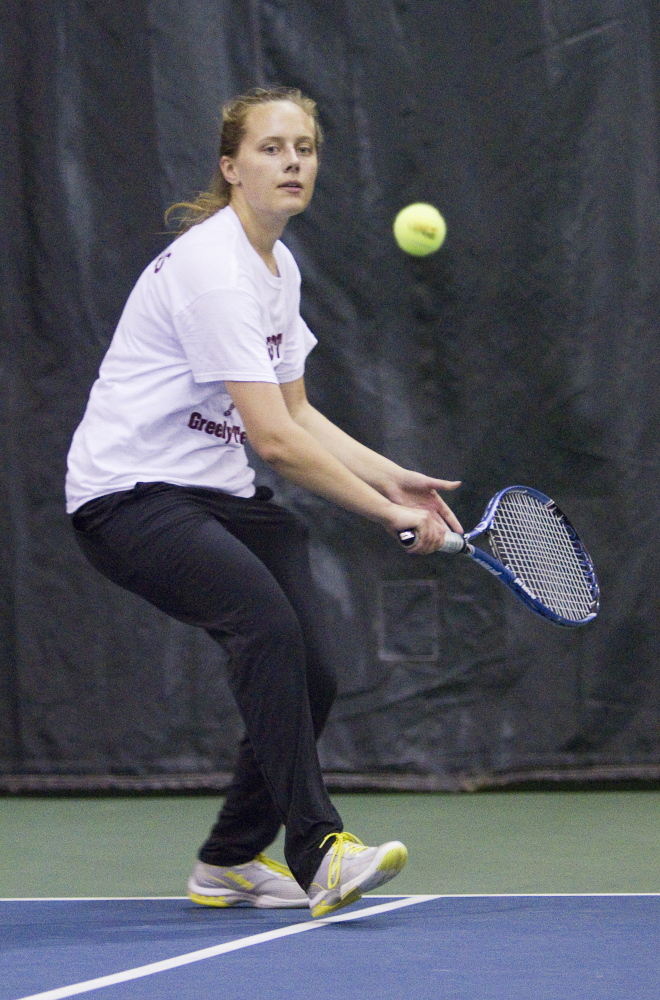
[[298, 344], [222, 337]]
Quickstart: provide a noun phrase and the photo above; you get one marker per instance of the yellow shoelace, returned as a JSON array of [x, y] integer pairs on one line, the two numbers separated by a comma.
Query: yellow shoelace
[[342, 842], [274, 866]]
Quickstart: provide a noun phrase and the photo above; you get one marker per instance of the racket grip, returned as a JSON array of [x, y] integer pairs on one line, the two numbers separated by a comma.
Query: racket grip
[[453, 542]]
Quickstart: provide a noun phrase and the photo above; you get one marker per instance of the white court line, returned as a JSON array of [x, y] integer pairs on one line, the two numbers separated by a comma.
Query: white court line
[[121, 899], [129, 899], [79, 899], [373, 895], [219, 949]]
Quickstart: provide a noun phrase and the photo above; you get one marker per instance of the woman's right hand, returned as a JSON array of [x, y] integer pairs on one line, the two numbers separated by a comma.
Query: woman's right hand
[[430, 532]]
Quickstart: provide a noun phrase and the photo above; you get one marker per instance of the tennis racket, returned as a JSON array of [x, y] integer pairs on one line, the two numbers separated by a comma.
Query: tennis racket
[[536, 552]]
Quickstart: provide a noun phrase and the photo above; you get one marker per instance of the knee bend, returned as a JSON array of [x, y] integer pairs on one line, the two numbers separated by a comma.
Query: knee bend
[[274, 633]]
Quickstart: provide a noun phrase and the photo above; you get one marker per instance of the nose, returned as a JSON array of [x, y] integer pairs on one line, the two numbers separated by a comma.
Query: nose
[[293, 158]]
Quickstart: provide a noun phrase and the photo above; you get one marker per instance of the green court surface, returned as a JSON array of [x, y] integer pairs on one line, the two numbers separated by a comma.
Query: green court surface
[[512, 842]]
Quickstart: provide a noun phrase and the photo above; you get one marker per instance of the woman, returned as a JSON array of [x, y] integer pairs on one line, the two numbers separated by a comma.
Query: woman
[[210, 352]]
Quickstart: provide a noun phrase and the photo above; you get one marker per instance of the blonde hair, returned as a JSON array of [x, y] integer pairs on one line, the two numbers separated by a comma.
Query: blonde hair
[[185, 214]]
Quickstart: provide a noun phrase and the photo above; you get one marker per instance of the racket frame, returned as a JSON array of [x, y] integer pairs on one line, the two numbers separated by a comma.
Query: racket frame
[[509, 578]]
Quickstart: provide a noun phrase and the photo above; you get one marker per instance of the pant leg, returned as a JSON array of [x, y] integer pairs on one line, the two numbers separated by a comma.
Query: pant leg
[[248, 821], [162, 545]]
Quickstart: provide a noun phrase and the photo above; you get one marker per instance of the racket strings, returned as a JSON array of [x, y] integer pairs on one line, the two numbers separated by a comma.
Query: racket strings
[[537, 545]]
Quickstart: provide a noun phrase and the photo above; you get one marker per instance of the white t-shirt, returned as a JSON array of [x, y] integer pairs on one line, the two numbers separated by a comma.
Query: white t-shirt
[[206, 311]]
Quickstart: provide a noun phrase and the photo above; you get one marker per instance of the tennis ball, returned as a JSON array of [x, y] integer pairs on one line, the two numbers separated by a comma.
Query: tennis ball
[[419, 229]]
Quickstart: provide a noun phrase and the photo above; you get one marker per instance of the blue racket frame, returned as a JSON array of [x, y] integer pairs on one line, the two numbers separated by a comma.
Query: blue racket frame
[[507, 577]]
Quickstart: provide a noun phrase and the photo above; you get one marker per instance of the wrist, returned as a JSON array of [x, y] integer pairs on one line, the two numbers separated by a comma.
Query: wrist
[[386, 515], [387, 483]]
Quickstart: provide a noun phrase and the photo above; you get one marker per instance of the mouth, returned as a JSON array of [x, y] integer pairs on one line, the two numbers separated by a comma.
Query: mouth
[[291, 186]]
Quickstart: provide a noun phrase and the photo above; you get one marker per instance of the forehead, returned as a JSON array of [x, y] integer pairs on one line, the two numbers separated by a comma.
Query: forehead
[[278, 118]]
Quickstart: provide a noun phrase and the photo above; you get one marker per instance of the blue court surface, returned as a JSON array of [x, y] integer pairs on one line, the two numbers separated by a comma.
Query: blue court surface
[[598, 947]]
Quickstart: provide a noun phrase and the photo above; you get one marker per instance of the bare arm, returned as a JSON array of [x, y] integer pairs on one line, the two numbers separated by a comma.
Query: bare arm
[[290, 449], [411, 489]]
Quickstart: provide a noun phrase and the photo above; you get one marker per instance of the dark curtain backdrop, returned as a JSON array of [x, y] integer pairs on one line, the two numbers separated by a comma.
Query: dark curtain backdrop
[[525, 351]]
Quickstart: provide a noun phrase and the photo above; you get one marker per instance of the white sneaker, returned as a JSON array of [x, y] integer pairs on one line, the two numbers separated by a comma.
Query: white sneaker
[[261, 882], [349, 869]]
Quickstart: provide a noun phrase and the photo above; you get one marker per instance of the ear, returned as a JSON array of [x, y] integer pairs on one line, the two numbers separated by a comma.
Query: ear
[[228, 170]]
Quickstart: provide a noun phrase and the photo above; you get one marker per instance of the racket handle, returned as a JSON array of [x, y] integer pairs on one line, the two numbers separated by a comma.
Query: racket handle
[[408, 537], [453, 542]]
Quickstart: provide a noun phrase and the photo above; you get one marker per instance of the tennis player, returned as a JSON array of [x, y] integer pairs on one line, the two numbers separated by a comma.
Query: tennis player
[[210, 353]]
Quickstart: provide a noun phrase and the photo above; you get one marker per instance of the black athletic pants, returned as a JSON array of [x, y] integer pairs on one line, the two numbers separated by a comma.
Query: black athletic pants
[[238, 568]]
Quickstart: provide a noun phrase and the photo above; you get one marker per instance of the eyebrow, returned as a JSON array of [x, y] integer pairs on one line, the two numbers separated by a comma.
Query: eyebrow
[[280, 138]]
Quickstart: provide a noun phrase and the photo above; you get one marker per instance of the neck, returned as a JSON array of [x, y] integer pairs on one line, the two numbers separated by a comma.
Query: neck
[[262, 231]]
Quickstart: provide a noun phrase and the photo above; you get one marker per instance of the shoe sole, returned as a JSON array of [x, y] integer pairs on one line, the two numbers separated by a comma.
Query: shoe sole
[[261, 903], [213, 900], [386, 867]]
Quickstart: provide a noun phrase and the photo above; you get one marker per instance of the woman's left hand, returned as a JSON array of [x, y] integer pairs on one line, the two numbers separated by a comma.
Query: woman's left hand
[[413, 489]]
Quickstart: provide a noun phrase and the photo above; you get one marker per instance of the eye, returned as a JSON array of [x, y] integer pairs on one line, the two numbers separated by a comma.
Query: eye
[[306, 149], [271, 148]]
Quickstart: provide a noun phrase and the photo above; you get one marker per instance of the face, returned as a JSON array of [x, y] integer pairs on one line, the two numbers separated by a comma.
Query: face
[[275, 168]]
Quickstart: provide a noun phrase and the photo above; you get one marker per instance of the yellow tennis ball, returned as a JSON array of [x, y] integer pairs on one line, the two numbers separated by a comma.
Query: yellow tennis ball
[[419, 229]]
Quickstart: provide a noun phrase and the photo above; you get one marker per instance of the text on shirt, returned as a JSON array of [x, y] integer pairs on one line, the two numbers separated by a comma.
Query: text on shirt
[[274, 344], [225, 431]]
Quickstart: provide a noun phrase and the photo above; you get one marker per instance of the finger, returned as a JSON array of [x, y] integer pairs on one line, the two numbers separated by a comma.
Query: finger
[[444, 515], [445, 484], [454, 523], [450, 518], [446, 512], [430, 538]]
